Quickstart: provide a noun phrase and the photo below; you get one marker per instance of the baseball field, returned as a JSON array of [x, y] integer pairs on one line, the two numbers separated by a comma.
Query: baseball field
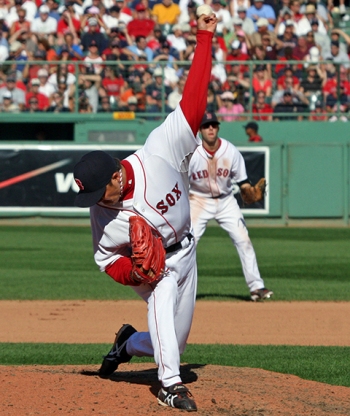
[[286, 356]]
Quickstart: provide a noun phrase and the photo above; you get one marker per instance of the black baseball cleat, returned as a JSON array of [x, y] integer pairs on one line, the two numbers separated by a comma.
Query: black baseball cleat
[[117, 354], [177, 396]]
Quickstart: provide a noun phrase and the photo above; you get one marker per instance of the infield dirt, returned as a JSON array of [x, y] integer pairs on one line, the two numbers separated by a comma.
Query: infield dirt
[[43, 390]]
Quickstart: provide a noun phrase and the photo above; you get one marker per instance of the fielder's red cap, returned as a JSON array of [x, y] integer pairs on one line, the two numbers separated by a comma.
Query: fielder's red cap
[[209, 118], [92, 173]]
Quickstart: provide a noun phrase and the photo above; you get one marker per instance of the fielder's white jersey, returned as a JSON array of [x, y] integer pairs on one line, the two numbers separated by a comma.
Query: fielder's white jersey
[[160, 195], [211, 176]]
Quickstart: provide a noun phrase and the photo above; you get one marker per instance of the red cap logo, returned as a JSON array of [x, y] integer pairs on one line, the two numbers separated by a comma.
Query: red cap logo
[[80, 185]]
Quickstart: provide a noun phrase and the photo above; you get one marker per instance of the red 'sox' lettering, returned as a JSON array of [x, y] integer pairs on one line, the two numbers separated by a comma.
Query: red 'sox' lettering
[[169, 200]]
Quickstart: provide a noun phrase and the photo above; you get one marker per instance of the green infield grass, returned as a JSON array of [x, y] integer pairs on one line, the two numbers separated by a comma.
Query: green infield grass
[[324, 364], [296, 263]]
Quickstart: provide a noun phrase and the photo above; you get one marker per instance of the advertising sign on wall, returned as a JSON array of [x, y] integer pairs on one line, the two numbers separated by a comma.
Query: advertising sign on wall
[[40, 178]]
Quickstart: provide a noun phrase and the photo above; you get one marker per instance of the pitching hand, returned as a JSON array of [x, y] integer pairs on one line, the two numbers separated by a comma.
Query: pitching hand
[[207, 22]]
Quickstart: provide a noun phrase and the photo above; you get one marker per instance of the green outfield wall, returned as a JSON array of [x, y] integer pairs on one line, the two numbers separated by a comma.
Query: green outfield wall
[[309, 162]]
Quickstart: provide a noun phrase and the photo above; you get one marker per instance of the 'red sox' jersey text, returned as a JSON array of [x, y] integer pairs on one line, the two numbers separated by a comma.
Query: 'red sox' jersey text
[[212, 175]]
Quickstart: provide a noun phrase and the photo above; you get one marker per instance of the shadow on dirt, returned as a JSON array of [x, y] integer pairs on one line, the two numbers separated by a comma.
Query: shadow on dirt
[[149, 376]]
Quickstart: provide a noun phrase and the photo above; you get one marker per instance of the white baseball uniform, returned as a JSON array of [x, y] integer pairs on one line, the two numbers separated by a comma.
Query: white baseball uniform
[[211, 198], [165, 205], [160, 195]]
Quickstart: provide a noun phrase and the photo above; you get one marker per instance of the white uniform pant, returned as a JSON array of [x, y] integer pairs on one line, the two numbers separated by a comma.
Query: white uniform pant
[[228, 215], [171, 304]]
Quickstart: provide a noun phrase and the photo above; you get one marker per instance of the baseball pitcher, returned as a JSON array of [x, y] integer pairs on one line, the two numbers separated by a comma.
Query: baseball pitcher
[[141, 229]]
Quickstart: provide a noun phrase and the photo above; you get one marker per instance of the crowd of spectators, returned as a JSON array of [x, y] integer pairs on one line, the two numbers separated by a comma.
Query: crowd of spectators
[[272, 59]]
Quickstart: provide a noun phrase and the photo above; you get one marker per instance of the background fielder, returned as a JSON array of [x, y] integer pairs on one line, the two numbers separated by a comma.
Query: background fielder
[[213, 166]]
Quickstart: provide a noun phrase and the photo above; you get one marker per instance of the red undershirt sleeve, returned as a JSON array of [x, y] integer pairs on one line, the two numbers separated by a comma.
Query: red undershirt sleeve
[[120, 271], [194, 97]]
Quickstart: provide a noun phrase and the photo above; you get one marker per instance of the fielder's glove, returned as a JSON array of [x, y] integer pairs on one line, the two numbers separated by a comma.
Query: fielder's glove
[[251, 194], [148, 254]]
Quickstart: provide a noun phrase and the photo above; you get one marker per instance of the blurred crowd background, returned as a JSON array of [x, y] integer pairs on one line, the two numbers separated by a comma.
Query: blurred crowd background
[[272, 59]]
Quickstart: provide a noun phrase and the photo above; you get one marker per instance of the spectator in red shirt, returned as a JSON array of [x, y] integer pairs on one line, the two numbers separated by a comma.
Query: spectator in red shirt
[[281, 81], [258, 53], [261, 80], [21, 25], [122, 4], [113, 84], [251, 130], [294, 5], [261, 108], [318, 114], [43, 101], [302, 49], [39, 55], [155, 39], [288, 56], [235, 54], [33, 106], [330, 87], [68, 23], [141, 25]]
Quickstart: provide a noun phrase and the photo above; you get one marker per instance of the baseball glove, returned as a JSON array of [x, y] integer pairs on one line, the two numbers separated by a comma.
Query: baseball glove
[[148, 254], [251, 194]]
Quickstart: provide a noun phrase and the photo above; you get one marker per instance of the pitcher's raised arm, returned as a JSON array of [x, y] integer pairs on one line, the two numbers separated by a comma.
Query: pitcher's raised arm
[[194, 97]]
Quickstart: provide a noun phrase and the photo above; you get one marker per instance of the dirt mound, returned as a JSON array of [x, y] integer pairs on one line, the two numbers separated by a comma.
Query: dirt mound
[[43, 390]]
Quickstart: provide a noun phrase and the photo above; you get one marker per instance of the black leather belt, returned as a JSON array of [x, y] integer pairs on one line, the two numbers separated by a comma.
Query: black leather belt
[[178, 246], [216, 197]]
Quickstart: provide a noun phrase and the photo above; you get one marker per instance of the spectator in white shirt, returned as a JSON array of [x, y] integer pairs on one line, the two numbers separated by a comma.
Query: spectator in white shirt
[[247, 23], [337, 56], [304, 24], [177, 40], [12, 15], [94, 58], [17, 95], [44, 24], [4, 8], [224, 17], [30, 7], [175, 96], [112, 17], [45, 87], [62, 76], [321, 10]]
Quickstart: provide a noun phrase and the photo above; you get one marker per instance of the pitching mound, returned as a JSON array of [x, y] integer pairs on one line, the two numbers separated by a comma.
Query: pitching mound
[[132, 390]]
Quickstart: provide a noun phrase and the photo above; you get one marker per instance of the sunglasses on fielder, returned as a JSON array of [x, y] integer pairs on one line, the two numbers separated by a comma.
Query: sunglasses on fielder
[[207, 125]]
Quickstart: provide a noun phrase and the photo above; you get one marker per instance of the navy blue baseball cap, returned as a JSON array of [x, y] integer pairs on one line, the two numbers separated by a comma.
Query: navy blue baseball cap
[[209, 118], [92, 173]]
